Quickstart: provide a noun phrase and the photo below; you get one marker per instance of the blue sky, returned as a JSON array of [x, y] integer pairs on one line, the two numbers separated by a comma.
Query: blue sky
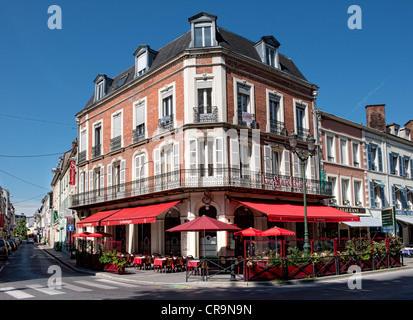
[[48, 74]]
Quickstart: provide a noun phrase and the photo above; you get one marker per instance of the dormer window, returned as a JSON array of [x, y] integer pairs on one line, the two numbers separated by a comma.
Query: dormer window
[[203, 27], [267, 48], [144, 57], [102, 83], [270, 56], [100, 90]]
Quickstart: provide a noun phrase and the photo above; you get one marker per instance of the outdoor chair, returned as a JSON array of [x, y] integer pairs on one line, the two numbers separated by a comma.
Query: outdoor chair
[[179, 264], [148, 263], [169, 265], [203, 268], [222, 262]]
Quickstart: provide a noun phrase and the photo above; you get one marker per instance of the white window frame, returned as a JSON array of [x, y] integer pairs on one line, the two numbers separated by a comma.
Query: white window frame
[[100, 90], [306, 121], [347, 192], [344, 158], [203, 27], [356, 155], [251, 104], [165, 92], [137, 104], [121, 124], [332, 149], [361, 193], [335, 188], [280, 111]]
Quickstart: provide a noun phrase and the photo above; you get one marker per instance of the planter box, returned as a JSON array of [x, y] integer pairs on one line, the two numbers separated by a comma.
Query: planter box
[[114, 269], [301, 271], [260, 273], [325, 268]]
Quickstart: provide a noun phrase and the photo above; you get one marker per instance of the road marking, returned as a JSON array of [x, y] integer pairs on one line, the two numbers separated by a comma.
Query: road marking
[[93, 284], [15, 293], [122, 284], [75, 288], [43, 289]]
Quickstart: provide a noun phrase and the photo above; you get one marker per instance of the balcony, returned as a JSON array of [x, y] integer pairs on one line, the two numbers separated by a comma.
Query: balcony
[[138, 133], [166, 123], [82, 156], [277, 127], [247, 119], [205, 114], [302, 133], [115, 143], [207, 177], [96, 150]]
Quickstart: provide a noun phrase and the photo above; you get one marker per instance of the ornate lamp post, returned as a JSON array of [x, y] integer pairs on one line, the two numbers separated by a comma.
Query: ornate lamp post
[[303, 155]]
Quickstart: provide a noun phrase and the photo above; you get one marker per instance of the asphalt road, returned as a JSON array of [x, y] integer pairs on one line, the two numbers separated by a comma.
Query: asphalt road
[[31, 274]]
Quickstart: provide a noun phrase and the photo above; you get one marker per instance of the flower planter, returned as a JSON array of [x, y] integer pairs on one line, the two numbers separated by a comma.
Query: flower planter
[[300, 271], [114, 268], [259, 273], [395, 261], [325, 268]]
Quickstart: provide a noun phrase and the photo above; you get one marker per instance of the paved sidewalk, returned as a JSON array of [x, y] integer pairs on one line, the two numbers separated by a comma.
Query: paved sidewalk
[[179, 278]]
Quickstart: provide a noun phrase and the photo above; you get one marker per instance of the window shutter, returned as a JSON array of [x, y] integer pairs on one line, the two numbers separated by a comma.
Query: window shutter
[[219, 156], [402, 166], [82, 181], [267, 160], [235, 166], [382, 196], [287, 170], [312, 167], [176, 163], [122, 175], [102, 178], [257, 157], [91, 180], [193, 159], [86, 182], [411, 168], [380, 159], [403, 195], [117, 125], [109, 182], [372, 196], [391, 163], [370, 157], [296, 166], [393, 195], [157, 161]]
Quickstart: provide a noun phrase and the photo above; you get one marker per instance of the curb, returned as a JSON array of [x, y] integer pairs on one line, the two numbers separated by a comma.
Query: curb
[[223, 284]]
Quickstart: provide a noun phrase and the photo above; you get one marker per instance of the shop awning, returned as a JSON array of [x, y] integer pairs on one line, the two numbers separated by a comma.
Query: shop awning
[[365, 222], [141, 214], [406, 219], [288, 212], [95, 219]]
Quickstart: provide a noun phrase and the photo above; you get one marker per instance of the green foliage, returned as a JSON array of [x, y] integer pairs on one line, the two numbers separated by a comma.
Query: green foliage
[[395, 245], [114, 258], [21, 230]]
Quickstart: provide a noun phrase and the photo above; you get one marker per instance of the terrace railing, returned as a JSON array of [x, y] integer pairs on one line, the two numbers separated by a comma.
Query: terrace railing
[[201, 178]]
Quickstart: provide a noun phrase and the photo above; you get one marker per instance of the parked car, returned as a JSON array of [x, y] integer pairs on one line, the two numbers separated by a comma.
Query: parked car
[[4, 251], [13, 245], [30, 240]]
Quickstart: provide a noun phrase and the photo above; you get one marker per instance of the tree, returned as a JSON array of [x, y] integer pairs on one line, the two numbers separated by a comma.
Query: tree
[[21, 230]]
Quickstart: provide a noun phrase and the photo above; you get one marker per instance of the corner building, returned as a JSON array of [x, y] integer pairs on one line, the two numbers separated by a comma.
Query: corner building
[[196, 128]]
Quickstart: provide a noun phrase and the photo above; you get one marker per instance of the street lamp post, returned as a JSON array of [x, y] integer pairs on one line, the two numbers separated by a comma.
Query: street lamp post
[[303, 156]]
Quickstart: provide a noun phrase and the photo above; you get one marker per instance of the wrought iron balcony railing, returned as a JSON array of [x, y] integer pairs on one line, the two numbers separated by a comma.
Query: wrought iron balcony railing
[[166, 123], [139, 133], [96, 150], [277, 127], [302, 133], [202, 178], [205, 114], [115, 143], [82, 156]]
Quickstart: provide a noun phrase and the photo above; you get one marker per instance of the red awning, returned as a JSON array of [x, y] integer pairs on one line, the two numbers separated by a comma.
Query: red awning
[[279, 211], [141, 214], [95, 219]]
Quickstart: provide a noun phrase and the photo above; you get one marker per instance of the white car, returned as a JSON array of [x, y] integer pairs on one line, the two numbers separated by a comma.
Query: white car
[[30, 240]]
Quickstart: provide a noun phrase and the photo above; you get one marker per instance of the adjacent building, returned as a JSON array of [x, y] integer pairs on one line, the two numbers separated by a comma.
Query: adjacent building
[[7, 215]]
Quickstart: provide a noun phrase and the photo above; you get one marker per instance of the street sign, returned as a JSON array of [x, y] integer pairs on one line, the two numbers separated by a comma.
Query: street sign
[[387, 217], [70, 227]]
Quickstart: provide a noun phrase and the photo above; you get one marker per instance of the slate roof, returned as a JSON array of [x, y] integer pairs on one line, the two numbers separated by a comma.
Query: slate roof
[[225, 38]]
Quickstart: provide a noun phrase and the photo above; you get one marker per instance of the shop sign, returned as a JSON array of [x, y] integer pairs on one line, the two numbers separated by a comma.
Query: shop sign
[[72, 172], [387, 217], [277, 182], [247, 117], [352, 209]]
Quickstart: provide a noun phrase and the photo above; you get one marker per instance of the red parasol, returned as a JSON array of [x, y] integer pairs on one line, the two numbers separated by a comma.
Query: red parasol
[[277, 232], [82, 234], [100, 234], [250, 232], [204, 223]]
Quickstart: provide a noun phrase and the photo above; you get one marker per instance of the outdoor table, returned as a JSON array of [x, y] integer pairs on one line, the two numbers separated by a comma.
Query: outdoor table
[[408, 251], [138, 261], [159, 263]]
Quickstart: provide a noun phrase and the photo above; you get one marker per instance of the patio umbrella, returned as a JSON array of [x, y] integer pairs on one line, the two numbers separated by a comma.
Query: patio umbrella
[[82, 234], [250, 232], [204, 224], [100, 234], [276, 231]]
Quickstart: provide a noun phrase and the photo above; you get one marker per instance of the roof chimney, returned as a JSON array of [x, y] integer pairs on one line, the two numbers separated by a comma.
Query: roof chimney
[[409, 126], [375, 116]]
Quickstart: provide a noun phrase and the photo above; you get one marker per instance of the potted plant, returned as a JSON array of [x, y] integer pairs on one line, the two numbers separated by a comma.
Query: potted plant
[[113, 262]]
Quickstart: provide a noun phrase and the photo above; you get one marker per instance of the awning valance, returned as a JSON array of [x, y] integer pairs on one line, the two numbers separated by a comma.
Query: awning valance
[[141, 214], [95, 219], [404, 218], [290, 212], [365, 222]]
